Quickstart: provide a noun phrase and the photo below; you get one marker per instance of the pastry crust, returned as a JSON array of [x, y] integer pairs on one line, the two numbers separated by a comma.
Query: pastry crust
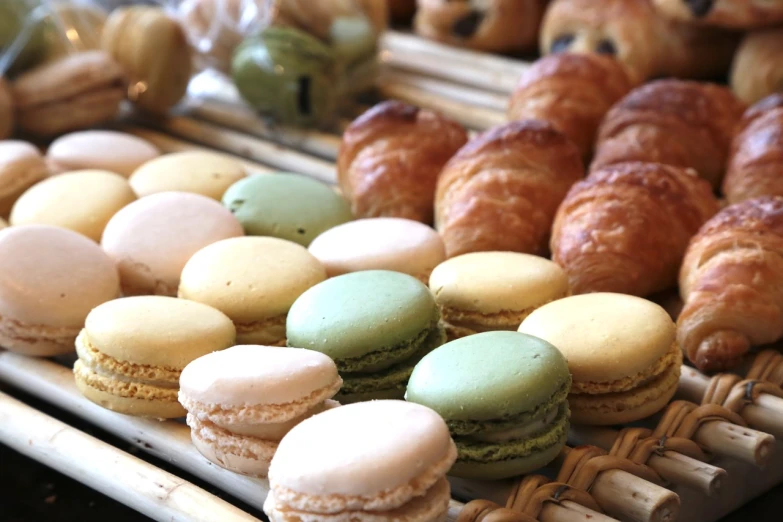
[[631, 30], [675, 122], [756, 160], [571, 91], [757, 69], [732, 284], [390, 158], [501, 191], [626, 227], [491, 25], [732, 14]]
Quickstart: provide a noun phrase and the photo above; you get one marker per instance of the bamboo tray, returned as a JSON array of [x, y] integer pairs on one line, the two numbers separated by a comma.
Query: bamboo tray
[[473, 89]]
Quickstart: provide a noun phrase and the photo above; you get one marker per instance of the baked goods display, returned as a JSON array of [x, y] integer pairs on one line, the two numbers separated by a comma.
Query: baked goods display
[[391, 157], [674, 122], [434, 303], [502, 189], [626, 227], [734, 14]]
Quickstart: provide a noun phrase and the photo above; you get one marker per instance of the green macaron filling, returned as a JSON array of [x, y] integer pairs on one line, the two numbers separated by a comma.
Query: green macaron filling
[[469, 427], [395, 377]]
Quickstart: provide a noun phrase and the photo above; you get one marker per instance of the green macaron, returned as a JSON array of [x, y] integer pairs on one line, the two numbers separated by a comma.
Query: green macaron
[[503, 395], [376, 325], [287, 206]]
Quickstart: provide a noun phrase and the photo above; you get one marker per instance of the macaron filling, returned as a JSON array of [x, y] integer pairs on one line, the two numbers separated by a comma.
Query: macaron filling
[[13, 333], [266, 332]]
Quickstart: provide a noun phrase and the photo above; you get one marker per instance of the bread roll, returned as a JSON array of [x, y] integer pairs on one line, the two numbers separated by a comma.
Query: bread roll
[[757, 70]]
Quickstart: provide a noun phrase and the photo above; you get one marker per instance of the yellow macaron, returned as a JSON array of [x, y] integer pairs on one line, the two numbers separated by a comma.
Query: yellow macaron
[[487, 291], [621, 351], [133, 350]]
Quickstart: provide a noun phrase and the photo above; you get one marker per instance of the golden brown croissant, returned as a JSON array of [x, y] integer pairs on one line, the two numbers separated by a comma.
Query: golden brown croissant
[[571, 91], [390, 159], [756, 161], [757, 69], [501, 190], [632, 31], [488, 25], [625, 228], [734, 14], [732, 284], [676, 122]]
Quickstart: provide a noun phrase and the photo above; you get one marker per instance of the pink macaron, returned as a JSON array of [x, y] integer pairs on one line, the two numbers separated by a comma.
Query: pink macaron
[[116, 152], [153, 238]]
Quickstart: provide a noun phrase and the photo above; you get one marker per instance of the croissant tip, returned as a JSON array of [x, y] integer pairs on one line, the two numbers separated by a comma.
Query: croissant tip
[[721, 350]]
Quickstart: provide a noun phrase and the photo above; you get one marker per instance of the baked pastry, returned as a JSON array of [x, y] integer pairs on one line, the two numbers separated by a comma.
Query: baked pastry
[[390, 159], [757, 69], [631, 30], [756, 160], [626, 227], [730, 282], [571, 91], [490, 25], [733, 14], [502, 189], [759, 109], [675, 122]]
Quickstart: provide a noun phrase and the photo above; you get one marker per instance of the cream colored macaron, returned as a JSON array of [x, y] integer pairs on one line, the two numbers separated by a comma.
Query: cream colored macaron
[[133, 350], [100, 149], [202, 172], [254, 281], [243, 400], [485, 291], [396, 244], [83, 201], [21, 166], [621, 352]]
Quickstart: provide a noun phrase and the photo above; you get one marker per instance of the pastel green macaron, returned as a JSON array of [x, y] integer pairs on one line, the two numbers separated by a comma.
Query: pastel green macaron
[[376, 325], [287, 206], [503, 395]]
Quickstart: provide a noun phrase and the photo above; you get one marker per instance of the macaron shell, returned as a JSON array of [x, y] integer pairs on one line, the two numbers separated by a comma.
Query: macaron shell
[[158, 331], [494, 282], [257, 375], [52, 277], [21, 166], [246, 455], [287, 206], [99, 149], [605, 337], [82, 201], [355, 314], [207, 173], [250, 278], [397, 244], [152, 238]]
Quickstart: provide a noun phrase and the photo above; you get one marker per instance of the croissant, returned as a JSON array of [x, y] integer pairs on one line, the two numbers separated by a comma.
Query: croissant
[[734, 14], [732, 284], [390, 158], [648, 44], [756, 161], [491, 25], [757, 69], [676, 122], [625, 228], [501, 190], [571, 91]]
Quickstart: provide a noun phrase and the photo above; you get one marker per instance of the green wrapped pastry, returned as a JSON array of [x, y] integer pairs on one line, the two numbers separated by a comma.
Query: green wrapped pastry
[[288, 75]]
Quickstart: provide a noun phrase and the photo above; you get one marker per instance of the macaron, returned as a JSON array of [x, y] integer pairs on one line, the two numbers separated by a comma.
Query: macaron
[[21, 166], [397, 244], [503, 396], [287, 206], [116, 152], [376, 325], [152, 238], [83, 201], [133, 350], [201, 172], [373, 461], [243, 400], [621, 352], [3, 224], [50, 279], [254, 281], [486, 291]]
